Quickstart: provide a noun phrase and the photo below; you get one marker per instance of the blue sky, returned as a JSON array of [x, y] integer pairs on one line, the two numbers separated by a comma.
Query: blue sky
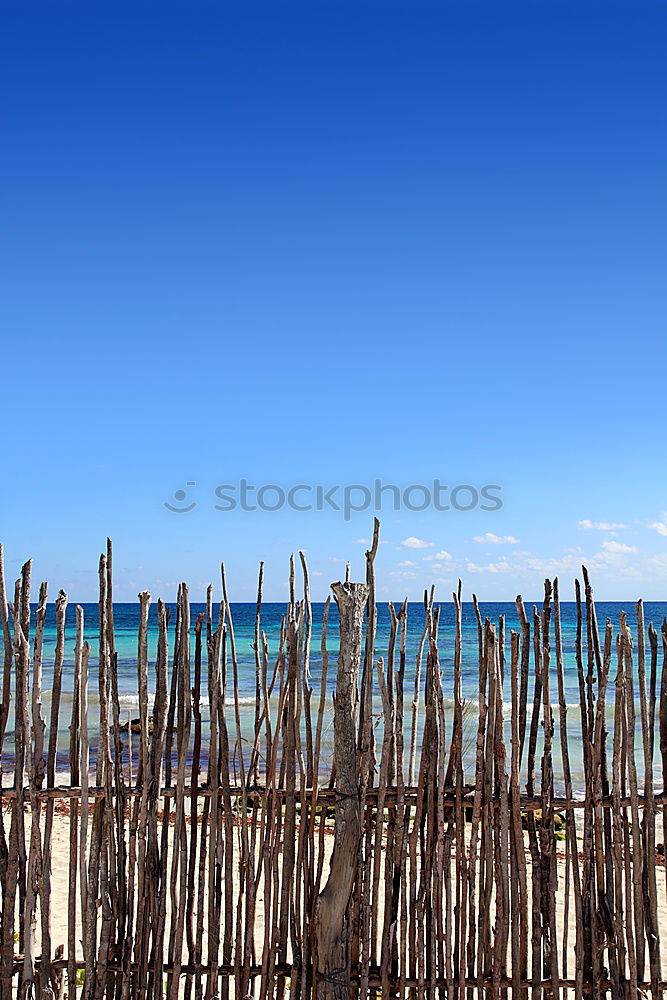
[[327, 243]]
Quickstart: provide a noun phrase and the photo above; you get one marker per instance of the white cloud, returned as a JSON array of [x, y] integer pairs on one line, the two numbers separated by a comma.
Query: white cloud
[[660, 526], [554, 565], [498, 567], [442, 555], [618, 547], [406, 562], [490, 539], [416, 543], [405, 574], [600, 525], [612, 553], [361, 541]]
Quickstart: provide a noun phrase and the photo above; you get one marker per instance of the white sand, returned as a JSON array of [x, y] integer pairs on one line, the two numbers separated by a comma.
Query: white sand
[[60, 882]]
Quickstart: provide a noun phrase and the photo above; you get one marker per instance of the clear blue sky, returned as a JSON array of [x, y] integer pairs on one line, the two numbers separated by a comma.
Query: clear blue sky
[[324, 243]]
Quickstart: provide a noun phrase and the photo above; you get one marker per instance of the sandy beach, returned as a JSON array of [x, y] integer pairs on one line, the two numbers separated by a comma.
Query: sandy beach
[[60, 882]]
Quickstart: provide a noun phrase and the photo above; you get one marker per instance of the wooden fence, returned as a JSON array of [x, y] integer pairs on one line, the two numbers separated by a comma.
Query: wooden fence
[[225, 866]]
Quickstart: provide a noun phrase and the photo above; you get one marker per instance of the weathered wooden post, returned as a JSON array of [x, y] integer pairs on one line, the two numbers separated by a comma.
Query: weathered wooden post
[[333, 970]]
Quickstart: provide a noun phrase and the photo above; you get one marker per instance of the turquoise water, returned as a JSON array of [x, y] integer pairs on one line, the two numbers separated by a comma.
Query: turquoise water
[[126, 618]]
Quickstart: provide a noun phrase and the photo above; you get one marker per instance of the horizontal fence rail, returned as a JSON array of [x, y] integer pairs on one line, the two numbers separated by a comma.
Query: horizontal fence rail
[[327, 796], [357, 833]]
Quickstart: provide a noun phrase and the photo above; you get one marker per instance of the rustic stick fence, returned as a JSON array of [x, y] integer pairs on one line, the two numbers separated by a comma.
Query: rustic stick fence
[[218, 863]]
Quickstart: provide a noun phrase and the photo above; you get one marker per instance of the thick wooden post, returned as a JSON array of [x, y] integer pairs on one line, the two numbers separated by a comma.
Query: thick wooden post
[[333, 969]]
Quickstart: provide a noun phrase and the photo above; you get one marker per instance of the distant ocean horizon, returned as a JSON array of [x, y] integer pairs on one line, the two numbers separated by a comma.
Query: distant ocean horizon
[[126, 622]]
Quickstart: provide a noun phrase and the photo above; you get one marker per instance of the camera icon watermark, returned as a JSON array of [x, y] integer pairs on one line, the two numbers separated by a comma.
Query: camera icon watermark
[[178, 505]]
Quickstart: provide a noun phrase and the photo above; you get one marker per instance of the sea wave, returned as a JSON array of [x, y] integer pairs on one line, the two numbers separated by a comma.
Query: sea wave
[[128, 700]]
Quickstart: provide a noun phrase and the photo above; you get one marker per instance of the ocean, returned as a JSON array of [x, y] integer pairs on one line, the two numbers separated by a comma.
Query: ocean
[[126, 620]]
